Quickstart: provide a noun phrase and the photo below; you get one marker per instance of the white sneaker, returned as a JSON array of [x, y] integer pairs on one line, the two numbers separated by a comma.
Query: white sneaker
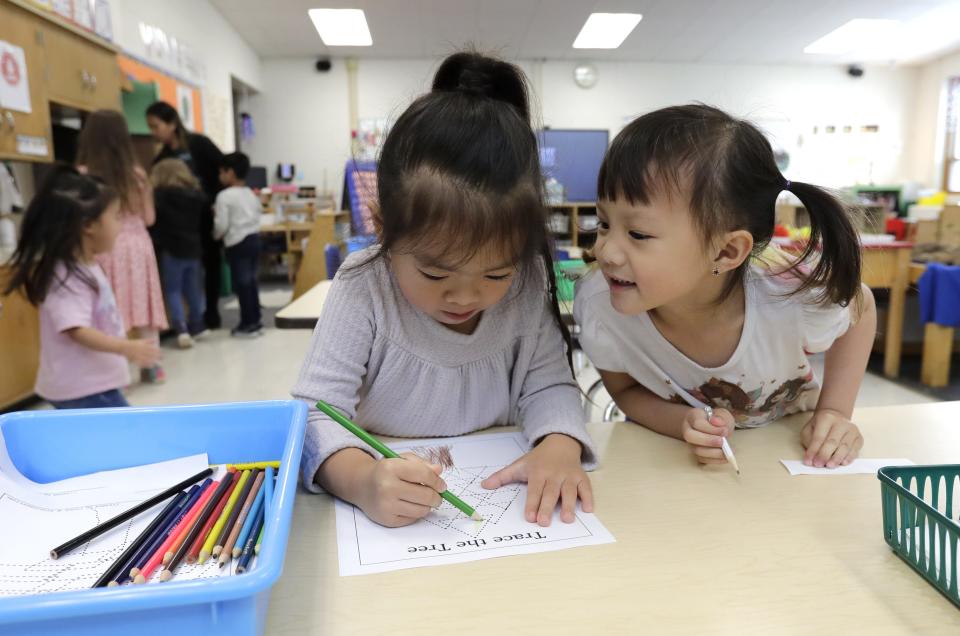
[[201, 335], [184, 341]]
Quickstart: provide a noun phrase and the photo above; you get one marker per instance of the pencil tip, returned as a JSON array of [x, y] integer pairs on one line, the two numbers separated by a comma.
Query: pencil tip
[[112, 584], [139, 579], [165, 576], [54, 555], [476, 516]]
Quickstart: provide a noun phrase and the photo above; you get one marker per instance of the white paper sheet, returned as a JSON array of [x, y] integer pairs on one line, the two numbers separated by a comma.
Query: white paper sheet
[[446, 535], [45, 520], [860, 466]]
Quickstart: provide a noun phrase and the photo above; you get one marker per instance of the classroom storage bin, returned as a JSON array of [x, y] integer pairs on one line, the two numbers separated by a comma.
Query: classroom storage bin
[[921, 506], [52, 445]]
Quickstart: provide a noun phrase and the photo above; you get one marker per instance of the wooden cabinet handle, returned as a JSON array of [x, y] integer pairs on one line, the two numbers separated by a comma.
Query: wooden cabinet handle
[[11, 120]]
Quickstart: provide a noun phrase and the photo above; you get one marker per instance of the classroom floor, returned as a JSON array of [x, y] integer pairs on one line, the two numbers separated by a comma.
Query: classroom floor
[[225, 369]]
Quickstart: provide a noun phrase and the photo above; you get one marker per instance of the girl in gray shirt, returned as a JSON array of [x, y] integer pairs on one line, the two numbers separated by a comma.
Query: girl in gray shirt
[[450, 324]]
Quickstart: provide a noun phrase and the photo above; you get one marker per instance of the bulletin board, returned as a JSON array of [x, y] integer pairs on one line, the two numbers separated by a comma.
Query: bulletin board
[[169, 90]]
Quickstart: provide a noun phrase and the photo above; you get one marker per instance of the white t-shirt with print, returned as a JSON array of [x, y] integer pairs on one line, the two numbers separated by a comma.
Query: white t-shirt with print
[[768, 375]]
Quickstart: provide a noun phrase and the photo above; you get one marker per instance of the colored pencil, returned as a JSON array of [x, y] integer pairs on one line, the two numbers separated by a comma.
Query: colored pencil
[[267, 500], [117, 566], [382, 448], [194, 552], [214, 535], [227, 551], [248, 522], [249, 549], [256, 548], [237, 507], [217, 494], [157, 540], [186, 522], [275, 464], [725, 448], [181, 553], [113, 522]]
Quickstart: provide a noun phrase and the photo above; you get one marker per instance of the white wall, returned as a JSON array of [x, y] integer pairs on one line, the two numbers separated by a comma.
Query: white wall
[[786, 101], [930, 118], [301, 115], [211, 38]]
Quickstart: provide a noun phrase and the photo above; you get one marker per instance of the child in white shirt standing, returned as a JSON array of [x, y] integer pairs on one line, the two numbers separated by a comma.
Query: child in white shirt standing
[[237, 222]]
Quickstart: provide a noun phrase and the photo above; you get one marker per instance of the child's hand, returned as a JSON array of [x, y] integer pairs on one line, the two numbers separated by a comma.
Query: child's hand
[[397, 492], [143, 353], [706, 437], [831, 440], [553, 472]]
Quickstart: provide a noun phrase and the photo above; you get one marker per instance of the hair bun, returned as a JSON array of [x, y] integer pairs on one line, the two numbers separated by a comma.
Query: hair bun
[[476, 74]]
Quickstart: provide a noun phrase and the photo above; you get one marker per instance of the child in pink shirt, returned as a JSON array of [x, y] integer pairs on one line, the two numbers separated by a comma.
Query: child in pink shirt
[[83, 349]]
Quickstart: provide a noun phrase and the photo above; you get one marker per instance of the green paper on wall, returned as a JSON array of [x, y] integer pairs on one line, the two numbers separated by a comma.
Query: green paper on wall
[[135, 105]]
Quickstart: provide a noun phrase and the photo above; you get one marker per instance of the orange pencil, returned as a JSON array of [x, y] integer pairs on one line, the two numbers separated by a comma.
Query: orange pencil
[[184, 524], [178, 541], [194, 553], [227, 551]]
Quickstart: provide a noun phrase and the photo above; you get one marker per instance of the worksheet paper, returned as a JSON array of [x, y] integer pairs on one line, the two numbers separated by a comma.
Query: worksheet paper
[[446, 535], [861, 466], [44, 520]]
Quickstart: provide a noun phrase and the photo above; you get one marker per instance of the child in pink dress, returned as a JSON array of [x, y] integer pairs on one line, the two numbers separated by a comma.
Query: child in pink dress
[[106, 152]]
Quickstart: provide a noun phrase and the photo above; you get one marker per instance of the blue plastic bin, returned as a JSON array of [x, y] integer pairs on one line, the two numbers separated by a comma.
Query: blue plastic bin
[[51, 445]]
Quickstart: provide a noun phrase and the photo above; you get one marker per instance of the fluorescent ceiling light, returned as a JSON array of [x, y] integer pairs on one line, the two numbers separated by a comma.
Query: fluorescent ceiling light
[[606, 30], [341, 27], [856, 36]]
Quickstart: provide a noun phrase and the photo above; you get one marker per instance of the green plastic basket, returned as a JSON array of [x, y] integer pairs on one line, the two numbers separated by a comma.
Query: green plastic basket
[[921, 505], [567, 273]]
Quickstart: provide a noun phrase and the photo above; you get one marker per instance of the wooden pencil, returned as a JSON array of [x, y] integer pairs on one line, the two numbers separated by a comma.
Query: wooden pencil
[[251, 517], [214, 536], [181, 553], [194, 552], [232, 519], [157, 540], [227, 552], [116, 567], [256, 548], [249, 549], [113, 522], [186, 522], [177, 542], [275, 464]]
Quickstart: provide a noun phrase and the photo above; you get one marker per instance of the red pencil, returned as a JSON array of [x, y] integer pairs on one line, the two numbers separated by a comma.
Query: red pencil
[[194, 553], [185, 524]]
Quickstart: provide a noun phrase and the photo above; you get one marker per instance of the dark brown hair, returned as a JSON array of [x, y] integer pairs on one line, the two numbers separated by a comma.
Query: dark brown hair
[[52, 230], [106, 151], [169, 115], [459, 171], [726, 167]]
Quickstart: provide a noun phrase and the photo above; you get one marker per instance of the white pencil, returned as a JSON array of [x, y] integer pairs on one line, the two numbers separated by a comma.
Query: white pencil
[[727, 451]]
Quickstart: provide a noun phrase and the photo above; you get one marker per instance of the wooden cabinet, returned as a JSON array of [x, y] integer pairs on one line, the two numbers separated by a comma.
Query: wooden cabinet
[[80, 73], [20, 28], [19, 347]]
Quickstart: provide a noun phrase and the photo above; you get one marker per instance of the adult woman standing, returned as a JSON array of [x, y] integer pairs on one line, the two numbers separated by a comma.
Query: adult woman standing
[[203, 157]]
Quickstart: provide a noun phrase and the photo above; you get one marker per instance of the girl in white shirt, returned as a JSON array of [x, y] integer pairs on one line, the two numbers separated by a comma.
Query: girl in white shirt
[[687, 309]]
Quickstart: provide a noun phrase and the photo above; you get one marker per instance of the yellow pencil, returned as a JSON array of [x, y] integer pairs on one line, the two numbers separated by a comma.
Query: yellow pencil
[[208, 545], [252, 465]]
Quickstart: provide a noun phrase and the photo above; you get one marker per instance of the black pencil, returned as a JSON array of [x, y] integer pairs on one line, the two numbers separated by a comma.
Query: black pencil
[[232, 519], [109, 524], [195, 531], [117, 566]]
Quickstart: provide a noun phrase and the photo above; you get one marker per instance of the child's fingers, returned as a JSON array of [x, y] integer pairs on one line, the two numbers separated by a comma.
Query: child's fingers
[[568, 501], [515, 472], [548, 502], [711, 460], [854, 451], [844, 448], [419, 495], [403, 508], [534, 492], [585, 490], [829, 446], [818, 435], [699, 438], [703, 452], [416, 471]]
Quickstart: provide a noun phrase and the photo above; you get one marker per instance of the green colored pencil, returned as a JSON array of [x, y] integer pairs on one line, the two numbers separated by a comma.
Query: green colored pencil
[[381, 448]]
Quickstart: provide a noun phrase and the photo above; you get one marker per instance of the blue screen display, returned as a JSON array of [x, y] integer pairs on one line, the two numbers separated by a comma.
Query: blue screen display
[[573, 158]]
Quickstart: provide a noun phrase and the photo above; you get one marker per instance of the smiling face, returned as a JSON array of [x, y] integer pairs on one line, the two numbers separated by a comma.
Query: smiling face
[[651, 254], [454, 294]]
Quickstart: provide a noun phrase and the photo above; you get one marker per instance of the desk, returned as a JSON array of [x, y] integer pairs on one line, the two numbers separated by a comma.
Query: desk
[[698, 551], [304, 312]]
